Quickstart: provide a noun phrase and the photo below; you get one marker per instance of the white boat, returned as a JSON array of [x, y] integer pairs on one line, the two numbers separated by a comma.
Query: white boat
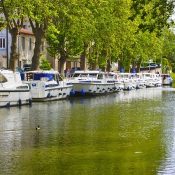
[[148, 79], [140, 83], [152, 79], [157, 79], [166, 79], [47, 85], [129, 83], [91, 83], [114, 77], [12, 91]]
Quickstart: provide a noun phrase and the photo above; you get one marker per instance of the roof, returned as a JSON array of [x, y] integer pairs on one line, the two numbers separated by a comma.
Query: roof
[[25, 32], [86, 72]]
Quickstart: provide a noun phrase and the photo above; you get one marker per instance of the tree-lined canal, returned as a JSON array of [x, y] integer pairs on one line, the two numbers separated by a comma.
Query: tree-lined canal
[[124, 134]]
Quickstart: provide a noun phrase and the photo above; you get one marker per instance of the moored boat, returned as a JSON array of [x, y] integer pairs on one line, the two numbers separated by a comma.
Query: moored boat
[[148, 79], [12, 91], [166, 79], [91, 82], [128, 82], [47, 85], [114, 77]]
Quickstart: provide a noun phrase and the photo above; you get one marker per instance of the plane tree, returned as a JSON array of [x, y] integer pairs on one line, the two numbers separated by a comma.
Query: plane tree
[[40, 14], [13, 13], [72, 30]]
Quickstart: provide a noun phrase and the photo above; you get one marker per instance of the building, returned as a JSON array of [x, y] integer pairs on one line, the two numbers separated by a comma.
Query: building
[[25, 46], [4, 48]]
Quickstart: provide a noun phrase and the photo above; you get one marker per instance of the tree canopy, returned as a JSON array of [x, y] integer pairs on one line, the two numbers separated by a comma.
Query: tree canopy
[[99, 32]]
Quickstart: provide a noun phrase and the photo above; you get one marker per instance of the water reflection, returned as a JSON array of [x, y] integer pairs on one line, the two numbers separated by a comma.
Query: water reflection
[[167, 166], [125, 133]]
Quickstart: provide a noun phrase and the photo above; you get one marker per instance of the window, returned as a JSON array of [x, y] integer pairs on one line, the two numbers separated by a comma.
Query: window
[[23, 43], [100, 76], [30, 43], [2, 43], [2, 79]]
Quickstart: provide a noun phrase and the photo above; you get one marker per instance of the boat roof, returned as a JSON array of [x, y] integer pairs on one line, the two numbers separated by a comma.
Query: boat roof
[[43, 72], [125, 73], [165, 74], [6, 71], [86, 72]]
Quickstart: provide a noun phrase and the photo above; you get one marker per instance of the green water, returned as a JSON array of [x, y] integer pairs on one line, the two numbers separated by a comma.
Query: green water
[[129, 133]]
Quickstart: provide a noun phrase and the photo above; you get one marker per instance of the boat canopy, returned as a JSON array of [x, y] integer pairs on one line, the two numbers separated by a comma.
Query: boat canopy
[[45, 76]]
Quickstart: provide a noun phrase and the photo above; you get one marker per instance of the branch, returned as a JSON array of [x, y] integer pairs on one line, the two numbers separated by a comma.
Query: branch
[[32, 25], [9, 25]]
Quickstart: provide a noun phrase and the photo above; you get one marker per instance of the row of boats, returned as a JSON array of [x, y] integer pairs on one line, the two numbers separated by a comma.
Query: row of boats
[[17, 89]]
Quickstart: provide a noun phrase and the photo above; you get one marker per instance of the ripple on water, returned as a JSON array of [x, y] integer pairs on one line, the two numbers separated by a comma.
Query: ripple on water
[[123, 133]]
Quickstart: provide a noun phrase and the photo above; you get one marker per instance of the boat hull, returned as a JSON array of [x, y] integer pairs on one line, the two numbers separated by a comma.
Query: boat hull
[[10, 98], [90, 88], [50, 94]]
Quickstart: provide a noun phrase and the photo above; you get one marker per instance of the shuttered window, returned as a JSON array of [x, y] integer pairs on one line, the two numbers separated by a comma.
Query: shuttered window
[[2, 43]]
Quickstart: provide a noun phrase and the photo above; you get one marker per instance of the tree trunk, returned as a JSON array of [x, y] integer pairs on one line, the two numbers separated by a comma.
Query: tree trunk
[[138, 65], [108, 67], [39, 34], [83, 58], [83, 61], [14, 56], [62, 61], [120, 65]]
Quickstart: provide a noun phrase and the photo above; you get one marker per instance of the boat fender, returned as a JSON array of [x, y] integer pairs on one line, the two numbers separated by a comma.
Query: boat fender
[[30, 102], [72, 93], [19, 102], [48, 95], [8, 105], [82, 92]]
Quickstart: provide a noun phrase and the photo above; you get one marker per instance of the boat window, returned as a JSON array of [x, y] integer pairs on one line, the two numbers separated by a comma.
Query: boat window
[[76, 75], [83, 75], [110, 76], [2, 78], [100, 76], [147, 75], [23, 87], [165, 75], [29, 76], [59, 77], [93, 75], [43, 76]]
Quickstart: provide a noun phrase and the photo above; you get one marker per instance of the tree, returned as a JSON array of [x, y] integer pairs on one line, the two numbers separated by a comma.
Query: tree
[[72, 27], [40, 13], [44, 64], [154, 14], [14, 16]]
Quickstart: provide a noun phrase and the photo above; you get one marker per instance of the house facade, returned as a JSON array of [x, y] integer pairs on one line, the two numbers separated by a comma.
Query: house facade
[[25, 47], [25, 50], [5, 42]]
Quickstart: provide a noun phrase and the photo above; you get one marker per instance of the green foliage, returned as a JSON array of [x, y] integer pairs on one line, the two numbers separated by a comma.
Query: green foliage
[[44, 64], [130, 32], [153, 14]]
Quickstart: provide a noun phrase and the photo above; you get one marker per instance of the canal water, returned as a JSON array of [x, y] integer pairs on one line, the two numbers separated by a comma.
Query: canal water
[[127, 133]]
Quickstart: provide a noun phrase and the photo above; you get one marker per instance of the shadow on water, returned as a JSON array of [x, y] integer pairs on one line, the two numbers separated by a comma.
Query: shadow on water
[[123, 133]]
